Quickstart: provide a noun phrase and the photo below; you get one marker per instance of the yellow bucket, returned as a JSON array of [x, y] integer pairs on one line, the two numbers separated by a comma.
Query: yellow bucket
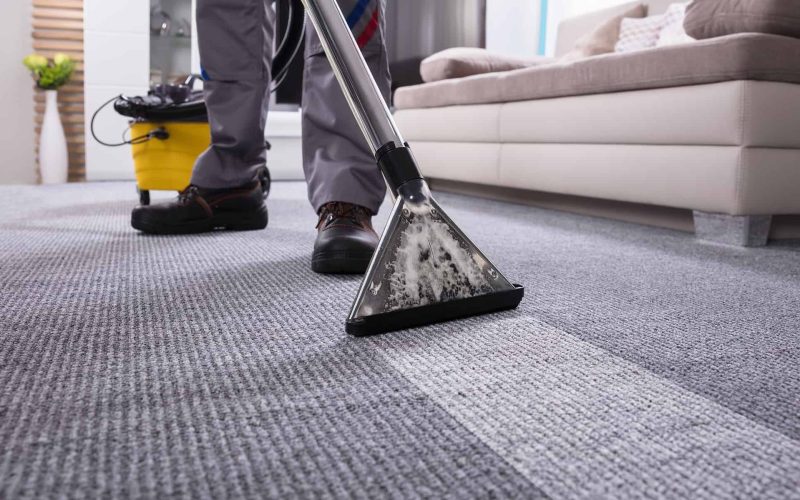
[[166, 165]]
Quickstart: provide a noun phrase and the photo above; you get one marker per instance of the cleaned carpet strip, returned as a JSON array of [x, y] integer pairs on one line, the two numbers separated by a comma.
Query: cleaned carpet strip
[[719, 321], [582, 423]]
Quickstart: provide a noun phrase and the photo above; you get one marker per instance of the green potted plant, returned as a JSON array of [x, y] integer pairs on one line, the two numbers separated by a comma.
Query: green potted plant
[[50, 75]]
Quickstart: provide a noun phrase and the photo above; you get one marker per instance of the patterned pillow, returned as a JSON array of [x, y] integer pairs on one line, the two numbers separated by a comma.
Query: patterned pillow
[[638, 34], [673, 33]]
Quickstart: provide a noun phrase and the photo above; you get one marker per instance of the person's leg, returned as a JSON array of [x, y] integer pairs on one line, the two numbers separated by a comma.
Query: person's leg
[[344, 184], [235, 38], [339, 165]]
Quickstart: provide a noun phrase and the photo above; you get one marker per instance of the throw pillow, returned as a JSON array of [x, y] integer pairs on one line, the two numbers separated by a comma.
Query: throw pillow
[[466, 61], [604, 37], [713, 18], [673, 33], [638, 34]]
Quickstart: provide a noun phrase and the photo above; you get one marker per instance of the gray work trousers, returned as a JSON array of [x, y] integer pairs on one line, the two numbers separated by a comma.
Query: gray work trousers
[[236, 48]]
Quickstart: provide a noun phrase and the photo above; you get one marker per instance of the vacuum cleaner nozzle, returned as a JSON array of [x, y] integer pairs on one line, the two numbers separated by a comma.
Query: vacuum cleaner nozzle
[[426, 270]]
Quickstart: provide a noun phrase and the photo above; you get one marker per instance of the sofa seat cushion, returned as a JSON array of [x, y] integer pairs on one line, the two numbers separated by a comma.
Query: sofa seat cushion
[[747, 56], [742, 113]]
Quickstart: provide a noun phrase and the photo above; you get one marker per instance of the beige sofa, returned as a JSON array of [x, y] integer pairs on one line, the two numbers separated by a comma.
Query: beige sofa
[[708, 131]]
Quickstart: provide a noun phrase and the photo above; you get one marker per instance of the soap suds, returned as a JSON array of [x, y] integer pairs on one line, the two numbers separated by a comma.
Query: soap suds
[[431, 265]]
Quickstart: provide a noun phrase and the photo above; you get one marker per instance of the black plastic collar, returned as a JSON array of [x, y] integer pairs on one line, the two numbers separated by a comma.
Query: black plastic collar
[[398, 165]]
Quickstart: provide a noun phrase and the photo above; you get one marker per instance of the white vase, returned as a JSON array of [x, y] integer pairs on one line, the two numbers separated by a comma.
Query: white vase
[[53, 159]]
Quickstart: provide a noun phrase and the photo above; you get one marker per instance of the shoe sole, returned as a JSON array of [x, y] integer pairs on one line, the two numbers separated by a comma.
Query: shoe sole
[[341, 262], [221, 222]]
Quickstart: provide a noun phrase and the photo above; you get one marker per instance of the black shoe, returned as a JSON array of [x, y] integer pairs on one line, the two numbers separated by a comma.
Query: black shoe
[[199, 210], [345, 241]]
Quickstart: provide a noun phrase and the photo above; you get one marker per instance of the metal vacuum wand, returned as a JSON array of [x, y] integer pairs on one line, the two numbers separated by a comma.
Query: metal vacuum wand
[[350, 68], [425, 269], [362, 92]]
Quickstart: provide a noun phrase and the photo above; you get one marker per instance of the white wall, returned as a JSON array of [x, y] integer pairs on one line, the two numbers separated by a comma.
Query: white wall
[[117, 61], [17, 157], [512, 26], [562, 9]]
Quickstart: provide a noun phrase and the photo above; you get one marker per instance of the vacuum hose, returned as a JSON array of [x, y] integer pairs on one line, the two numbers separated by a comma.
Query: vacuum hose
[[291, 41]]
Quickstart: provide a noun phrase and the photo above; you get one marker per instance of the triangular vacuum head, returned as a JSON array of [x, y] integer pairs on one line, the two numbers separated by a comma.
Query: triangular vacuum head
[[426, 270]]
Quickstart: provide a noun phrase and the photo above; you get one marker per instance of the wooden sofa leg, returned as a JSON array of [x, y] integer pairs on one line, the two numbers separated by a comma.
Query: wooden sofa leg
[[738, 230]]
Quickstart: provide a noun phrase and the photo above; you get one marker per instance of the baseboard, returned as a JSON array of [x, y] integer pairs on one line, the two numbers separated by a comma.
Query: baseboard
[[783, 226]]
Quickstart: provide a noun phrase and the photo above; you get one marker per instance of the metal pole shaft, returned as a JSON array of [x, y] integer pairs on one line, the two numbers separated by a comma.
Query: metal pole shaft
[[359, 87]]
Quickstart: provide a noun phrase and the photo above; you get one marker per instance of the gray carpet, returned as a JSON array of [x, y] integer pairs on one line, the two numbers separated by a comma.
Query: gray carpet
[[641, 363]]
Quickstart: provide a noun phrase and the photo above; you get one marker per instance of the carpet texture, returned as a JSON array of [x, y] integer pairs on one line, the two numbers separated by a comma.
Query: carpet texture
[[641, 363]]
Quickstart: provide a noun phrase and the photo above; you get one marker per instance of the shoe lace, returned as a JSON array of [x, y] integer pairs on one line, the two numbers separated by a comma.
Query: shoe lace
[[338, 210], [187, 195]]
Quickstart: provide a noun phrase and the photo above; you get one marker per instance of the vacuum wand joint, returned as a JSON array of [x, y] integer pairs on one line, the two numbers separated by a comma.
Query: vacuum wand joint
[[397, 165]]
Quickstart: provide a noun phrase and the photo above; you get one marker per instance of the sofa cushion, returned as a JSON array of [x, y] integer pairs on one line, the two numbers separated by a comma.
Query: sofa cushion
[[604, 37], [713, 18], [638, 34], [736, 57], [467, 61], [571, 29], [739, 113], [673, 33]]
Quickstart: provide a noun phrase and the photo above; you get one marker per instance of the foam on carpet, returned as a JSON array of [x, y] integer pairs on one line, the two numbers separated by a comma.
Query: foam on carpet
[[641, 363]]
